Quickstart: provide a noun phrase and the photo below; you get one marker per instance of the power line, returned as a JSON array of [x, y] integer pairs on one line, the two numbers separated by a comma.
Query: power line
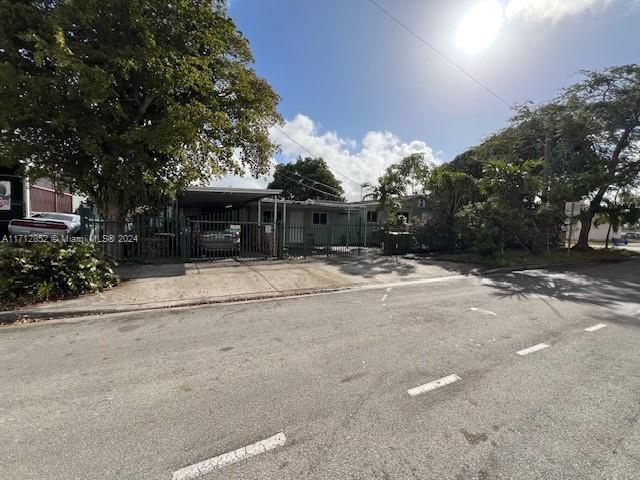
[[437, 51], [311, 187], [316, 182], [306, 150]]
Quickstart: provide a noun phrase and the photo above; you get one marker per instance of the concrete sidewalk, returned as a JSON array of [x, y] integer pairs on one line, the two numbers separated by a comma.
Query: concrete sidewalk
[[161, 286]]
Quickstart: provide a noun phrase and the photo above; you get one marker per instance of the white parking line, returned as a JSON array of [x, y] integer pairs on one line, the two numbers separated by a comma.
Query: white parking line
[[226, 459], [535, 348], [595, 327], [480, 310], [427, 387]]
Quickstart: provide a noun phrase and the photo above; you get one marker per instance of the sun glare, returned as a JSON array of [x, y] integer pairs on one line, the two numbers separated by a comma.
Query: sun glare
[[480, 26]]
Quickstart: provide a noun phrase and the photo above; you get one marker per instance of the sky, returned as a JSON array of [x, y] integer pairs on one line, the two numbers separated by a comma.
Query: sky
[[362, 92]]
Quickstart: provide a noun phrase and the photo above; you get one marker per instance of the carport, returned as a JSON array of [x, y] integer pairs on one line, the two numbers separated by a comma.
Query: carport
[[225, 202], [228, 222]]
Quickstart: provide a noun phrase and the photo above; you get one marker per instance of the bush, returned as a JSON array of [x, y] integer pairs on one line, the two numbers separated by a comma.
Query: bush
[[47, 271], [435, 236], [490, 227], [485, 227]]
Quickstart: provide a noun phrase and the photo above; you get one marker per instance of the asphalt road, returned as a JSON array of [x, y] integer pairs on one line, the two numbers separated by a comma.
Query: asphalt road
[[142, 396]]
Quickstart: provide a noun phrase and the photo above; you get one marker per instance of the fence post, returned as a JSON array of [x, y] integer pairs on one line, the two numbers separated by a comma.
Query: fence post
[[182, 231], [364, 222], [280, 239]]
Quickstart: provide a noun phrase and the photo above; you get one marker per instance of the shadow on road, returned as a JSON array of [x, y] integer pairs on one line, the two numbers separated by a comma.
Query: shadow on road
[[372, 266], [616, 286]]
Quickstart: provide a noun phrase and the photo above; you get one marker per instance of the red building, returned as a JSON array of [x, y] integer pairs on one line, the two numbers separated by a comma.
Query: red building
[[45, 197]]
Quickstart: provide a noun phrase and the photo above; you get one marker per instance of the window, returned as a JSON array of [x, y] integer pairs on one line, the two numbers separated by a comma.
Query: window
[[422, 203], [267, 216], [372, 217], [319, 218]]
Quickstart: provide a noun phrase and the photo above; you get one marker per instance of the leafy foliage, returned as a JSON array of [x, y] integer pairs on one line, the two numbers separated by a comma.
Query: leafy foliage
[[407, 178], [449, 191], [583, 145], [46, 271], [129, 101], [307, 178]]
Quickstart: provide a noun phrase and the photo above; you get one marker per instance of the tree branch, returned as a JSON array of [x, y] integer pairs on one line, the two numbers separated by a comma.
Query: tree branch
[[148, 100]]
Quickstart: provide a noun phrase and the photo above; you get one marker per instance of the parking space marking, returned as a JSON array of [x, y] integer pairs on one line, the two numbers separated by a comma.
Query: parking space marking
[[207, 466], [595, 327], [427, 387], [480, 310], [533, 349]]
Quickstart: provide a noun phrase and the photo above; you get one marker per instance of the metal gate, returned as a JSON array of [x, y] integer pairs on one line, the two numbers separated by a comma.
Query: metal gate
[[213, 239]]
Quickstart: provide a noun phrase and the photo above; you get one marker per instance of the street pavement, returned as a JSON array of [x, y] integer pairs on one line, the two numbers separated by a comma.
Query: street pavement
[[144, 395]]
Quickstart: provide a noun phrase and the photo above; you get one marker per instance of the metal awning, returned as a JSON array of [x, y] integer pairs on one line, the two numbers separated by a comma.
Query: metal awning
[[220, 197]]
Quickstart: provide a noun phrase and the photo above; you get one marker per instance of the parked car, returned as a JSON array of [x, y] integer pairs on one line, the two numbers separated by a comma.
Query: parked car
[[46, 224], [214, 241]]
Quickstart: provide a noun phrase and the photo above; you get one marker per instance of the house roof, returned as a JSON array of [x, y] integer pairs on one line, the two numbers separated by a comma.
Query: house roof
[[208, 197], [325, 203]]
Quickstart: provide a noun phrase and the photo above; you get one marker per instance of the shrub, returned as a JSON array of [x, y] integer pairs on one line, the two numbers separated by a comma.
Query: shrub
[[46, 271], [489, 227], [485, 226], [435, 236]]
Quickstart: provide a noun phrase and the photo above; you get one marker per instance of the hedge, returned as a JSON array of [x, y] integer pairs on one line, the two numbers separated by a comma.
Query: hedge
[[48, 271]]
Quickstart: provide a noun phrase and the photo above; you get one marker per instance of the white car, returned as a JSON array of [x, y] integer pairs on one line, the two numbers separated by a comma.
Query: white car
[[46, 223]]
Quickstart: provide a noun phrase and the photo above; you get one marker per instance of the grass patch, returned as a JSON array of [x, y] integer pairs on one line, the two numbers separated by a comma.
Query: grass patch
[[521, 258]]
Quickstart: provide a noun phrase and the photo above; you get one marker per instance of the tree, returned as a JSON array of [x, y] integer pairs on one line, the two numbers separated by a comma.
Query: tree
[[622, 209], [608, 103], [129, 101], [404, 179], [449, 191], [307, 178]]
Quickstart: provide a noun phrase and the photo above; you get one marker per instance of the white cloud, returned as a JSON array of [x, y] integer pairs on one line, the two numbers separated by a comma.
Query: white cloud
[[554, 10], [360, 161]]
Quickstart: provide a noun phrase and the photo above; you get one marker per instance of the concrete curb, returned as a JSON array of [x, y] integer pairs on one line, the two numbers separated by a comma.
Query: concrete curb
[[8, 318]]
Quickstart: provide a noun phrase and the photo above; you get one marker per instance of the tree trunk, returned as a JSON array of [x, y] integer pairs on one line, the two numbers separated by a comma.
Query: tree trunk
[[606, 243], [586, 219], [113, 226]]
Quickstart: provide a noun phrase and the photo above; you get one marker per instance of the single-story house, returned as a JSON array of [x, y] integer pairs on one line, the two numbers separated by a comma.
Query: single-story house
[[308, 222]]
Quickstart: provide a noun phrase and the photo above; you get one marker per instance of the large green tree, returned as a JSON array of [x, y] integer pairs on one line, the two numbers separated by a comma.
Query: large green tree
[[129, 101], [608, 105], [307, 178], [587, 140]]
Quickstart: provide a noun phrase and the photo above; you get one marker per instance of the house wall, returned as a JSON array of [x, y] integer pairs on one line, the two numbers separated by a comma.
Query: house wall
[[596, 234], [415, 211]]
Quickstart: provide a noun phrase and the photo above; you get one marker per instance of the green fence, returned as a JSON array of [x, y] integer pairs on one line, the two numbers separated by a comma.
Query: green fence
[[332, 239], [170, 237], [145, 238]]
